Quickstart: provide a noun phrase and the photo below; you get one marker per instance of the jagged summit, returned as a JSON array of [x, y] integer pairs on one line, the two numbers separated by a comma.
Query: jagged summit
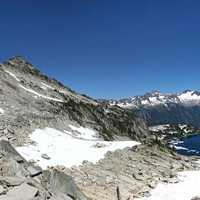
[[19, 63], [18, 59], [153, 93]]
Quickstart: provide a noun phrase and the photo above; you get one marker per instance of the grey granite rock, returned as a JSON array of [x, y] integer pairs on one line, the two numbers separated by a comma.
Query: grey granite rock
[[21, 180]]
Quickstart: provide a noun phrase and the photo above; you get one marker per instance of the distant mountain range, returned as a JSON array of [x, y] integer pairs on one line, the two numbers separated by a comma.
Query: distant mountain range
[[159, 108]]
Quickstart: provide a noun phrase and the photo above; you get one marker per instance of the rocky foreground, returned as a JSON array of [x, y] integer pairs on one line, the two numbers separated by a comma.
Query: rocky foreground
[[20, 180], [132, 172], [123, 174]]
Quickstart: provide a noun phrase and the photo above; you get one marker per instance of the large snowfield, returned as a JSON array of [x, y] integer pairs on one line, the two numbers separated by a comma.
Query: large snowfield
[[69, 148]]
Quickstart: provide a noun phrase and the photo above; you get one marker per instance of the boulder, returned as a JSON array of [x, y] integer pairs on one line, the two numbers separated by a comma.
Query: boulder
[[60, 183], [25, 181], [11, 181], [22, 192], [34, 170], [45, 156]]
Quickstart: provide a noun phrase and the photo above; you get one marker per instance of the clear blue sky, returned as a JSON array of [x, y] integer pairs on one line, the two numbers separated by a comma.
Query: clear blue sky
[[107, 48]]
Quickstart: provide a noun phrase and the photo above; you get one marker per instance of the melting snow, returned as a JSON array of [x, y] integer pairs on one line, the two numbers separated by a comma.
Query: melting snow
[[125, 105], [13, 75], [32, 91], [186, 189], [65, 149], [180, 148], [40, 95], [84, 133], [1, 111], [45, 86]]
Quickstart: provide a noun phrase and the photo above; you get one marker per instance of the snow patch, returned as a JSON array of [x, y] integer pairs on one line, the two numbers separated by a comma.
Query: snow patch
[[155, 100], [84, 133], [32, 91], [145, 102], [181, 148], [45, 86], [13, 75], [40, 95], [125, 105], [1, 111], [186, 189], [67, 150]]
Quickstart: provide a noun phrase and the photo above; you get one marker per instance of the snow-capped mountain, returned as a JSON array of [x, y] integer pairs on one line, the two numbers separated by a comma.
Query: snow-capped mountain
[[155, 98], [159, 108]]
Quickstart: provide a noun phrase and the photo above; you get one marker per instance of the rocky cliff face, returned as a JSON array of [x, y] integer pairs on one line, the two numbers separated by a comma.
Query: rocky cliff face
[[158, 108], [30, 100]]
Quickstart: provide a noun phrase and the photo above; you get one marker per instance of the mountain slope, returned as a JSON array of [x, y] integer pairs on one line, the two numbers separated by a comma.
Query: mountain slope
[[158, 108], [30, 100]]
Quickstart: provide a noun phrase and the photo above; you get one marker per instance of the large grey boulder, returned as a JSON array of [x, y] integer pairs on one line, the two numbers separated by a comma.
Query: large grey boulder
[[22, 192], [60, 183], [21, 180]]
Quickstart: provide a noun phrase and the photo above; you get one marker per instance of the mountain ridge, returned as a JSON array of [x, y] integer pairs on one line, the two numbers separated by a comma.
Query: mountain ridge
[[30, 100], [157, 97], [160, 108]]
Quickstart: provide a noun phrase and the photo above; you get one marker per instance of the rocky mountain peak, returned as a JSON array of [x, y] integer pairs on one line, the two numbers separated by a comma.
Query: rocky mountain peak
[[186, 91], [154, 93], [18, 59], [21, 64]]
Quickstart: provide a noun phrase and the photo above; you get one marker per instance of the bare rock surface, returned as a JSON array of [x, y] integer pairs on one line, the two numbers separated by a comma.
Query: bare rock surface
[[135, 171], [21, 192]]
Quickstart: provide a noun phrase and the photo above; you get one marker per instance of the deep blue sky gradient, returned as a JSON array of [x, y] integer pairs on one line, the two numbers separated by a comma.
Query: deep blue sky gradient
[[107, 48]]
